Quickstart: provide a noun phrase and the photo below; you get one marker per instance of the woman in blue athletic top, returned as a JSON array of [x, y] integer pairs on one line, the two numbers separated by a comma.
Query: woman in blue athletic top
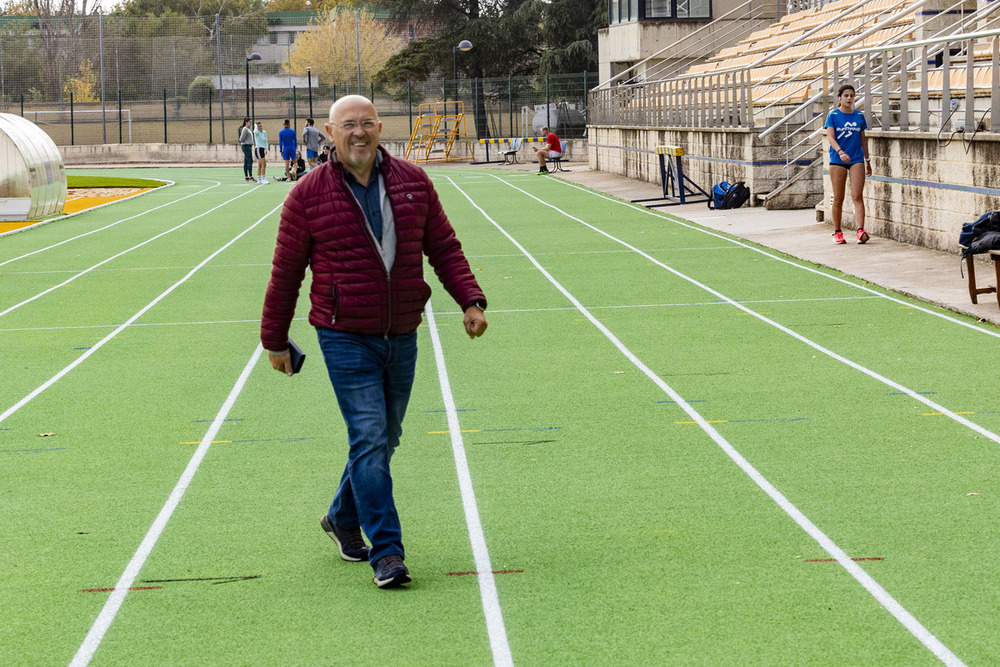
[[845, 128]]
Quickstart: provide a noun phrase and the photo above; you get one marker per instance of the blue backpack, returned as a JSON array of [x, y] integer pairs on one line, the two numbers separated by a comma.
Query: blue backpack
[[719, 191]]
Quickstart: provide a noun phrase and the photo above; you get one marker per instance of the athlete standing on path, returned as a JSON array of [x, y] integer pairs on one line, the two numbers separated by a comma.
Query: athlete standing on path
[[845, 128]]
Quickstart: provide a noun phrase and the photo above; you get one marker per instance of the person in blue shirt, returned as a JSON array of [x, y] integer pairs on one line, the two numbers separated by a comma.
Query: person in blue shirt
[[845, 128], [287, 144]]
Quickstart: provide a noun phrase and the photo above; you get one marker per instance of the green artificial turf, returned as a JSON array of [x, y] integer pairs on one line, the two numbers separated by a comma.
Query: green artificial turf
[[80, 181], [621, 532]]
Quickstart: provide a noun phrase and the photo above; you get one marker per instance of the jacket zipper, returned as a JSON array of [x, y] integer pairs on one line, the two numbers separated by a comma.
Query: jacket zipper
[[378, 253]]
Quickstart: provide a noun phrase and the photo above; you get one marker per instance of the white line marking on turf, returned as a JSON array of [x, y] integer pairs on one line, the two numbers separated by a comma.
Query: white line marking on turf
[[446, 312], [99, 344], [780, 327], [93, 639], [138, 268], [679, 221], [147, 193], [487, 584], [100, 229], [867, 581], [123, 252]]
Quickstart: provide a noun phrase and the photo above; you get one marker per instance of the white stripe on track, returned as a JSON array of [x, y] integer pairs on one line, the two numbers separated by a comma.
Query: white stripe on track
[[492, 310], [487, 584], [83, 357], [883, 597], [679, 221], [780, 327], [97, 631], [123, 252], [100, 229]]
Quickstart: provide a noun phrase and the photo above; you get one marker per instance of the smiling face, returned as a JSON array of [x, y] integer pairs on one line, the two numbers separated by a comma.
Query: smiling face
[[355, 145]]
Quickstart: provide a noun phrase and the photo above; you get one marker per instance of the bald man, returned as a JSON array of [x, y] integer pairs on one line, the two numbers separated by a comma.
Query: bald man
[[362, 223]]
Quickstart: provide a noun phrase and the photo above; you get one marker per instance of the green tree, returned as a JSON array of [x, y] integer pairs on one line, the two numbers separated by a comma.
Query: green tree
[[570, 34], [506, 41]]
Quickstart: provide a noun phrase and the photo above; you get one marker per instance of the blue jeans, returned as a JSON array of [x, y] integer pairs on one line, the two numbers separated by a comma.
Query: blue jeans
[[372, 377]]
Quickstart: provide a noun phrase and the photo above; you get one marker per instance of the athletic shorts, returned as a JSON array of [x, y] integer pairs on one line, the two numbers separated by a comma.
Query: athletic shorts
[[845, 166], [260, 152], [555, 153], [310, 155], [288, 155]]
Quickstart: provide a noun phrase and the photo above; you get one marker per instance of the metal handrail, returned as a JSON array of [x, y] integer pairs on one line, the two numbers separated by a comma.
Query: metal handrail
[[912, 45], [608, 82]]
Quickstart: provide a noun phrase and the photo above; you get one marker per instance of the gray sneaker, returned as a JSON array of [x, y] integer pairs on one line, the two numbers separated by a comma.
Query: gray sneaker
[[390, 572], [350, 543]]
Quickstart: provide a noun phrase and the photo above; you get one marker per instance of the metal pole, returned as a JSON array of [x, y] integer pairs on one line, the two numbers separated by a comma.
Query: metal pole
[[164, 115], [253, 104], [409, 105], [222, 96], [22, 105], [119, 115], [357, 41], [548, 119], [104, 120], [309, 76], [288, 51], [295, 113], [510, 105], [3, 86], [72, 126], [209, 116], [248, 89]]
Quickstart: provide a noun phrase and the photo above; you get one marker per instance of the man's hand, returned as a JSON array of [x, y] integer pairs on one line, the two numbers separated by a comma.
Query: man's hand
[[283, 362], [474, 321]]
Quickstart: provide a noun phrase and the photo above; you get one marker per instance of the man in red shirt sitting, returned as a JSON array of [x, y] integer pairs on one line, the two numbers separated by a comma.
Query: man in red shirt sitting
[[553, 149]]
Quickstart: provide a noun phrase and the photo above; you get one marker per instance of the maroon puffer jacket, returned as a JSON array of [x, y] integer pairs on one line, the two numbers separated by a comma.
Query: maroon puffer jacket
[[322, 227]]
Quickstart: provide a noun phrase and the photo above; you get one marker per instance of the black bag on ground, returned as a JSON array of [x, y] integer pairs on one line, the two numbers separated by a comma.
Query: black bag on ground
[[980, 236], [738, 195]]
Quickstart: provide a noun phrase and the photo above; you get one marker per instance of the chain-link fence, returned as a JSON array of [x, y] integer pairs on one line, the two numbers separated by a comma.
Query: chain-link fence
[[126, 79]]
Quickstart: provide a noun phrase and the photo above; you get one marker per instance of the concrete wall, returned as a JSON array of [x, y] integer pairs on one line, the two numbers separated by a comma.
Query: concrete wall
[[920, 191], [712, 155]]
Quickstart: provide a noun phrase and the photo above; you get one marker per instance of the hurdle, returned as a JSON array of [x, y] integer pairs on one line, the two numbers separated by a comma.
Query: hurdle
[[675, 184]]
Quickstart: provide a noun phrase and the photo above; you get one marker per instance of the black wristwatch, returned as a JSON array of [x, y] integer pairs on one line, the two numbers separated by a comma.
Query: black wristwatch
[[481, 305]]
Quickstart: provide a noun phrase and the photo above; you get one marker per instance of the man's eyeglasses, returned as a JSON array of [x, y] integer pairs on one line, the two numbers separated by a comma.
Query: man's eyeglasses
[[350, 126]]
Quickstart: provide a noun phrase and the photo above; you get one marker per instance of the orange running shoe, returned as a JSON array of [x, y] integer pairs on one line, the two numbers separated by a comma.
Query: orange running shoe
[[863, 236], [838, 237]]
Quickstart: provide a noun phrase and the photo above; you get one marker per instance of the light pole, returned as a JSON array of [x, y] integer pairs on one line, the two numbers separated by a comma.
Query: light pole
[[463, 46], [252, 56]]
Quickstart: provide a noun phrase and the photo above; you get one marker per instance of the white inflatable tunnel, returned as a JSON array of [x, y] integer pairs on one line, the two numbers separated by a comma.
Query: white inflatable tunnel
[[32, 174]]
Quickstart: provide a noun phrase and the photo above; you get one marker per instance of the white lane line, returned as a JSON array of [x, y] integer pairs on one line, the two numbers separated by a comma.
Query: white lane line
[[99, 344], [867, 581], [780, 327], [487, 584], [97, 631], [123, 252], [100, 229], [679, 221], [492, 310], [140, 268]]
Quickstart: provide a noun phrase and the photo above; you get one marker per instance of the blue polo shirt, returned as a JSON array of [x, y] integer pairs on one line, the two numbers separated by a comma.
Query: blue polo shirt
[[368, 197]]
